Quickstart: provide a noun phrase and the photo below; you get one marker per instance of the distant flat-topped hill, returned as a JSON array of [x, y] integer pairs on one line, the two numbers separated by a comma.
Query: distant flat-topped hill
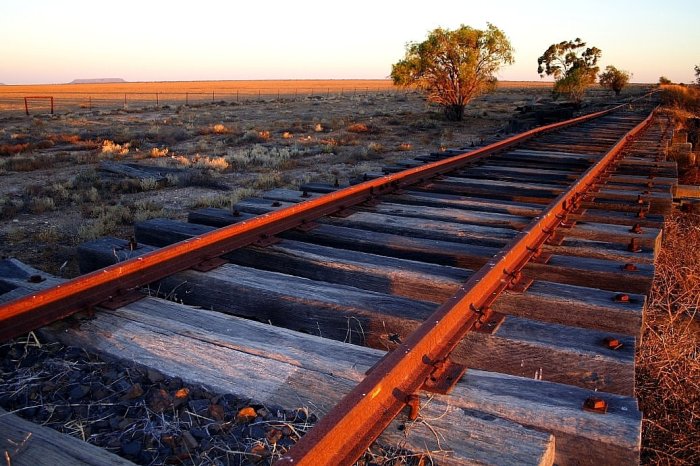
[[97, 81]]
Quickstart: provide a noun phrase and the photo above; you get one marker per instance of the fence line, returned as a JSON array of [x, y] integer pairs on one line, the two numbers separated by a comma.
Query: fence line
[[72, 100]]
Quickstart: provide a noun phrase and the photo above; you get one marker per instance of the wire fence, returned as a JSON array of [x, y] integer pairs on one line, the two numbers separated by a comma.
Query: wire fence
[[70, 101]]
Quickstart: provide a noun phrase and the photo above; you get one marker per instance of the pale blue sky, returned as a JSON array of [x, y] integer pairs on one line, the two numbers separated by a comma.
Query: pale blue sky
[[53, 41]]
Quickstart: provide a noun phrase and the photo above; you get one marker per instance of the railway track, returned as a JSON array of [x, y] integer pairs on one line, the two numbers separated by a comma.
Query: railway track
[[524, 263]]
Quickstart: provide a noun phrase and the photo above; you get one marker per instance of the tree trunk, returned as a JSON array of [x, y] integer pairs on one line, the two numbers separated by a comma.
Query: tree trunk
[[454, 112]]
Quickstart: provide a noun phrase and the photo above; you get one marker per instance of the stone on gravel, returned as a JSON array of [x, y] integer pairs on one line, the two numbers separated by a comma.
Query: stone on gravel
[[180, 397], [217, 412], [134, 392], [132, 448], [160, 401], [199, 407], [189, 440], [199, 433], [154, 376], [78, 392], [125, 423], [246, 415], [273, 435]]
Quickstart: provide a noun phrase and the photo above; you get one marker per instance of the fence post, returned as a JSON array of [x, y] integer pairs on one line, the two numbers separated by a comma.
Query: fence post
[[328, 93], [89, 102], [26, 107], [51, 105], [125, 100], [237, 95], [157, 99], [212, 96]]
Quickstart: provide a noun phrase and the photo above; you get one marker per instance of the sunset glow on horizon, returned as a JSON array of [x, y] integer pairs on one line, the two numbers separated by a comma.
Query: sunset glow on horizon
[[56, 42]]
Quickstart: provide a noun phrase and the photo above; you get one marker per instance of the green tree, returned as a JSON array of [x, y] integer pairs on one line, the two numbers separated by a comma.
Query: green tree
[[453, 67], [697, 75], [573, 67], [663, 80], [614, 79]]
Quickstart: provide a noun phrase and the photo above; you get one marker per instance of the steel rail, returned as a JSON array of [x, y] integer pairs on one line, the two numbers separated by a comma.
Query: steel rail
[[25, 314], [343, 434]]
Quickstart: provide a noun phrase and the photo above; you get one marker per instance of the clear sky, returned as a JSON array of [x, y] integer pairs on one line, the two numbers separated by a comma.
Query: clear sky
[[54, 41]]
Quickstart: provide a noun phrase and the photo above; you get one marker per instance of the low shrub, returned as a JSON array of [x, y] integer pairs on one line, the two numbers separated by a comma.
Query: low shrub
[[684, 97], [268, 180], [39, 205], [262, 156], [110, 147], [156, 153], [210, 163], [11, 149], [358, 128], [148, 184]]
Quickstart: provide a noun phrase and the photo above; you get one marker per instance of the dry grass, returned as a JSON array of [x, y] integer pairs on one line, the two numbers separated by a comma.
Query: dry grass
[[668, 361], [203, 86], [683, 97]]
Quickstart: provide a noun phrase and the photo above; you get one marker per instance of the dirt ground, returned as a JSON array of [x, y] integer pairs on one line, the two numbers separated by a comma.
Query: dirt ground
[[54, 196]]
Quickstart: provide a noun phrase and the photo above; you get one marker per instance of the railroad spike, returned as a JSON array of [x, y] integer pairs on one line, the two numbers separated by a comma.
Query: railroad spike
[[633, 246], [595, 405], [413, 402], [612, 343]]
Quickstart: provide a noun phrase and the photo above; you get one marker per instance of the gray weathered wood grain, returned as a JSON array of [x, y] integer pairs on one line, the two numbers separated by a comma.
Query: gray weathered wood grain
[[545, 301], [583, 271], [24, 443]]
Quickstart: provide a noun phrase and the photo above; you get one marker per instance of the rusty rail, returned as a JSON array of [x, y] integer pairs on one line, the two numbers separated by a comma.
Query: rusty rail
[[83, 293], [343, 434]]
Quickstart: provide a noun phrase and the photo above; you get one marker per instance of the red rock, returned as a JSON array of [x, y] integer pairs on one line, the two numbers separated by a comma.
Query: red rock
[[134, 392], [217, 412], [246, 415], [273, 435], [259, 452], [160, 401]]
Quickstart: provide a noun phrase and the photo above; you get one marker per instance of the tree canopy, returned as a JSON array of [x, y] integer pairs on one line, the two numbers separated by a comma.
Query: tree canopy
[[453, 67], [697, 74], [573, 67], [614, 79]]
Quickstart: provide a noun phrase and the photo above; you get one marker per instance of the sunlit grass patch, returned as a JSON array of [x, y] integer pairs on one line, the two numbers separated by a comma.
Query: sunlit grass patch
[[110, 147], [262, 156]]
